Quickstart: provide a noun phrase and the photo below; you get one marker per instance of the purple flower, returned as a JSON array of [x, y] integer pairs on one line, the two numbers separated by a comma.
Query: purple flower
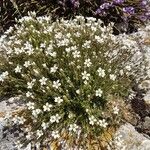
[[147, 14], [143, 18], [100, 12], [118, 1], [75, 3], [144, 2], [105, 6], [129, 10]]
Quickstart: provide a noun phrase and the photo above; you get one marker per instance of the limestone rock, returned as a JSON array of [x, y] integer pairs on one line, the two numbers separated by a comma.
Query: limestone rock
[[132, 140]]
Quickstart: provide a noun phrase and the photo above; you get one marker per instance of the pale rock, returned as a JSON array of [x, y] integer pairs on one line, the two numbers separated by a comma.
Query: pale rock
[[133, 140]]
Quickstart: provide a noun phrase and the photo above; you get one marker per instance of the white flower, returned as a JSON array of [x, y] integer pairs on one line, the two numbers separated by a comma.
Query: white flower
[[58, 100], [55, 134], [101, 72], [85, 75], [121, 72], [78, 91], [56, 84], [53, 54], [128, 68], [18, 69], [3, 76], [112, 77], [44, 65], [27, 64], [21, 120], [63, 42], [36, 112], [44, 125], [58, 35], [42, 45], [28, 136], [68, 49], [49, 51], [8, 115], [92, 120], [55, 118], [115, 110], [43, 81], [77, 34], [39, 133], [90, 20], [102, 123], [87, 63], [72, 48], [93, 28], [73, 127], [29, 94], [29, 48], [15, 119], [53, 69], [70, 115], [99, 92], [85, 82], [68, 35], [30, 84], [30, 51], [18, 120], [30, 105], [18, 145], [99, 39], [52, 119], [76, 54], [47, 107], [27, 45], [18, 50], [86, 44]]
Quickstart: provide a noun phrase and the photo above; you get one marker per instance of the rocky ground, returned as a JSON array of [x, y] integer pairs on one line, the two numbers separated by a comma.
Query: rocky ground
[[131, 136], [6, 107]]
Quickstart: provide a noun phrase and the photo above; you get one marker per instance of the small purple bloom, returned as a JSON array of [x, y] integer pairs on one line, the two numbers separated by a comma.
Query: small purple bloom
[[101, 10], [75, 3], [118, 1], [98, 11], [147, 14], [105, 6], [129, 10], [143, 18], [144, 2]]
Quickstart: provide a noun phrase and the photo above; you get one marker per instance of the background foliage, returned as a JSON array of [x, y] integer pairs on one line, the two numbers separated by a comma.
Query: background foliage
[[112, 10]]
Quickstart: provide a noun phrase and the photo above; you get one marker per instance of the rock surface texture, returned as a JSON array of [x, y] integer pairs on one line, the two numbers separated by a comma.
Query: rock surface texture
[[132, 140], [6, 107]]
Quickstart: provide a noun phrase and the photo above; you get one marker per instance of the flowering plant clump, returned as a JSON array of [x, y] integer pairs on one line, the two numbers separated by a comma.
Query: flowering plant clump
[[126, 14], [71, 74]]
